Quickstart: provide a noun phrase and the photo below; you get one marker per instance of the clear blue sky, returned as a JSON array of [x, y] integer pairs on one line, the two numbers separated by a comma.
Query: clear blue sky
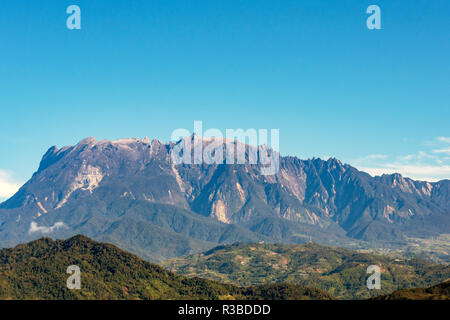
[[378, 99]]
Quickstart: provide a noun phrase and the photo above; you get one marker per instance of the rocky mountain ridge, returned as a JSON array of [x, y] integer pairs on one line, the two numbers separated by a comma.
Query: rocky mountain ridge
[[104, 188]]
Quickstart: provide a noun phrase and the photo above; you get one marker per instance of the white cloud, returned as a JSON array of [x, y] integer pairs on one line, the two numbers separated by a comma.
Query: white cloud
[[442, 150], [408, 157], [7, 185], [375, 156], [42, 229], [428, 165], [416, 172], [423, 155], [370, 159], [444, 139]]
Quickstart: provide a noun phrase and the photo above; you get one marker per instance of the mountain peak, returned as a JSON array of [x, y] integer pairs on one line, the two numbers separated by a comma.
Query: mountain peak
[[146, 140], [89, 140]]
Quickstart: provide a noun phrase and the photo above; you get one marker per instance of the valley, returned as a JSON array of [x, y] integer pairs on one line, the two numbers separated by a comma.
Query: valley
[[340, 272]]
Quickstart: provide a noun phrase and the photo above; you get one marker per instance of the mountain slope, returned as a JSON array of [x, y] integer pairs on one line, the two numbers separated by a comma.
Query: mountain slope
[[338, 271], [37, 270], [95, 187]]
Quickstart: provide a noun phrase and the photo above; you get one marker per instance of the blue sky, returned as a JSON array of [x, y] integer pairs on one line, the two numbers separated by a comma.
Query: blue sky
[[377, 99]]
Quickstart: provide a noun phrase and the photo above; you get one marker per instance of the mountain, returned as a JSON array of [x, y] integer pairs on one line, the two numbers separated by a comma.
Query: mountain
[[338, 271], [37, 270], [438, 292], [131, 193]]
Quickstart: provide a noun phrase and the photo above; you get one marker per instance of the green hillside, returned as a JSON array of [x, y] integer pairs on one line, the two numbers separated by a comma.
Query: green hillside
[[340, 272], [438, 292], [37, 270]]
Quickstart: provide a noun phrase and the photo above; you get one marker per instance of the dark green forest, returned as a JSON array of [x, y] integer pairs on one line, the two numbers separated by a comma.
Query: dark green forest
[[438, 292], [37, 270]]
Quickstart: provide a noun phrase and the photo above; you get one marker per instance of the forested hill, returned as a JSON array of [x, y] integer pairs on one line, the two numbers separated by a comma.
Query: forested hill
[[438, 292], [38, 270]]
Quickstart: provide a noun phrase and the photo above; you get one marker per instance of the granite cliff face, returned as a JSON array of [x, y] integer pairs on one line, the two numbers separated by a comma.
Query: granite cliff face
[[131, 193]]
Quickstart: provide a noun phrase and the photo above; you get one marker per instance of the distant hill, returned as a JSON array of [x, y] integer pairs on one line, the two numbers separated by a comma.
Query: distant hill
[[130, 193], [340, 272], [438, 292], [37, 270]]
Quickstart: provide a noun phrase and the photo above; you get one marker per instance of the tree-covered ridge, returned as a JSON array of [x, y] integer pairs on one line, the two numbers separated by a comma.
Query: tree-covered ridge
[[438, 292], [340, 272], [37, 270]]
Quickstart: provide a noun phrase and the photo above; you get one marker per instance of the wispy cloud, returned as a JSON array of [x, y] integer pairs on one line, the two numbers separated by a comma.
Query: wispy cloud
[[442, 150], [35, 228], [444, 139], [417, 172], [373, 157], [7, 185], [428, 165]]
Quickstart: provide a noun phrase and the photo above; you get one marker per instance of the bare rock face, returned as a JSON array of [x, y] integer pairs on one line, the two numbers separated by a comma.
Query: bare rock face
[[106, 189]]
